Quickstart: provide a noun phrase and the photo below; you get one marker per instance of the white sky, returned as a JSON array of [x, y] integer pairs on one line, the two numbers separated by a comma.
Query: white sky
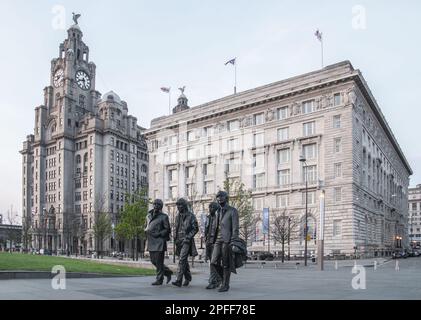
[[140, 46]]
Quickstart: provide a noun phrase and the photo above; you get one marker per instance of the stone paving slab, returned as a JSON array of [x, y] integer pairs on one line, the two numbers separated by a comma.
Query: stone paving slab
[[250, 284]]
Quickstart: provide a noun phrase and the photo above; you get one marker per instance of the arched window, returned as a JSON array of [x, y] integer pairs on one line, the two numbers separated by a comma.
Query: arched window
[[78, 159], [144, 168]]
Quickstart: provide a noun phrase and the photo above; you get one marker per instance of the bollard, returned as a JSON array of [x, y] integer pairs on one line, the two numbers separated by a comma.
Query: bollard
[[397, 265], [336, 264], [375, 265]]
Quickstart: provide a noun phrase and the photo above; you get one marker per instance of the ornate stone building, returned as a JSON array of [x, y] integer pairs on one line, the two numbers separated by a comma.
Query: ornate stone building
[[331, 117], [85, 155], [414, 225]]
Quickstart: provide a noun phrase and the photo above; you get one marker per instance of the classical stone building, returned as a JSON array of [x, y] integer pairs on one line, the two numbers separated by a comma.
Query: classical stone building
[[85, 155], [257, 137], [414, 225]]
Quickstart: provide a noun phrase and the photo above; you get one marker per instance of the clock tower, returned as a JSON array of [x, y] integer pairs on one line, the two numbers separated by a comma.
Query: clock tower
[[71, 93]]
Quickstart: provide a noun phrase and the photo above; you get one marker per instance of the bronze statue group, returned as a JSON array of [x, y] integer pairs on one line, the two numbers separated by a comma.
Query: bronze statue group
[[224, 248]]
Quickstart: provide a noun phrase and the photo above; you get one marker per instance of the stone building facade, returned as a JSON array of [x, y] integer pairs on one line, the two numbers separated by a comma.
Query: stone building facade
[[86, 153], [414, 207], [257, 137]]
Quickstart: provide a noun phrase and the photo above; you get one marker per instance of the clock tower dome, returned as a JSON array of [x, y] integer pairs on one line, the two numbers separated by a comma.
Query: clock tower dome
[[71, 93]]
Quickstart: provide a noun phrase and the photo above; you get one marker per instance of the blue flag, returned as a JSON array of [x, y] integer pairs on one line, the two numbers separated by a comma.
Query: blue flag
[[265, 220]]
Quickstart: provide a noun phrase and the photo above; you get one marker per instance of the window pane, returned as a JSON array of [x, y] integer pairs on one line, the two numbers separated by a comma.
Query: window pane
[[308, 106], [258, 119], [309, 128], [284, 177], [282, 113], [337, 121], [283, 134], [283, 156], [309, 151], [337, 99], [233, 125]]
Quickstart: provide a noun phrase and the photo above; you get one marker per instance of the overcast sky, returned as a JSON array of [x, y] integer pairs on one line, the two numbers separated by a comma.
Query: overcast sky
[[140, 46]]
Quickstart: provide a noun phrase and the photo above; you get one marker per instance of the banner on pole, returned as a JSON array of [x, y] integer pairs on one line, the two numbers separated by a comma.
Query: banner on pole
[[265, 220]]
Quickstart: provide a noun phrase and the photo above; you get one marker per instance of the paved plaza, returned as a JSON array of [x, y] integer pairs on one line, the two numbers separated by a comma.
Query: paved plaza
[[252, 282]]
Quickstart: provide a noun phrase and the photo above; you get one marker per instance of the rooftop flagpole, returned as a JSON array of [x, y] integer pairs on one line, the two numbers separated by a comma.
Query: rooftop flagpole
[[319, 36], [234, 63]]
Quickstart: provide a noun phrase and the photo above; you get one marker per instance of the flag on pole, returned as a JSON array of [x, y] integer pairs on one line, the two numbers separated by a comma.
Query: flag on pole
[[319, 35], [165, 89], [232, 61]]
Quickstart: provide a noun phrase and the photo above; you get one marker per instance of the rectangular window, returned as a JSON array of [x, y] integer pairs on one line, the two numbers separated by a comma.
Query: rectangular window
[[337, 228], [337, 99], [173, 192], [282, 113], [233, 125], [189, 172], [208, 187], [337, 121], [282, 201], [191, 154], [337, 145], [259, 180], [258, 119], [284, 178], [258, 204], [338, 170], [258, 139], [191, 136], [309, 151], [208, 131], [309, 128], [311, 198], [308, 106], [259, 161], [311, 173], [173, 175], [337, 195], [232, 144], [284, 156], [283, 134], [173, 140]]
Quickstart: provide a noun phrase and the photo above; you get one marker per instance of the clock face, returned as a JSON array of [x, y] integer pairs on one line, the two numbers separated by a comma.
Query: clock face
[[58, 78], [83, 80]]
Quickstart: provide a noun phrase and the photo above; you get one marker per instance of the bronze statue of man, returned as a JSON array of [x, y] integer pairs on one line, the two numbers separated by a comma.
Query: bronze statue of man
[[158, 233], [215, 279], [227, 232], [186, 227]]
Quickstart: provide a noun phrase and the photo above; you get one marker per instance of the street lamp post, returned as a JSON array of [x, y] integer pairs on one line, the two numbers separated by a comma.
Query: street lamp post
[[289, 238], [303, 160]]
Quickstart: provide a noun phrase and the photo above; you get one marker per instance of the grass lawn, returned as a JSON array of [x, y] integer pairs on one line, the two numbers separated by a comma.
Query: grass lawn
[[26, 262]]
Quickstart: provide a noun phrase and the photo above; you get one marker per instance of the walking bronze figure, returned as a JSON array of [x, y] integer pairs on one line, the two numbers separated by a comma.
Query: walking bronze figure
[[158, 233], [186, 227], [227, 234]]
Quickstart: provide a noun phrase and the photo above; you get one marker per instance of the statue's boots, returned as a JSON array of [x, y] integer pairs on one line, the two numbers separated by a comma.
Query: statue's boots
[[225, 281]]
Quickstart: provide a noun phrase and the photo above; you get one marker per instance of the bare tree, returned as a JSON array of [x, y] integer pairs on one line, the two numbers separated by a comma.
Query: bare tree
[[284, 229]]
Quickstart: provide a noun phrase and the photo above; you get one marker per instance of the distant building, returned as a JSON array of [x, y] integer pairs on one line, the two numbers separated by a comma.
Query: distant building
[[331, 117], [414, 225], [86, 153]]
